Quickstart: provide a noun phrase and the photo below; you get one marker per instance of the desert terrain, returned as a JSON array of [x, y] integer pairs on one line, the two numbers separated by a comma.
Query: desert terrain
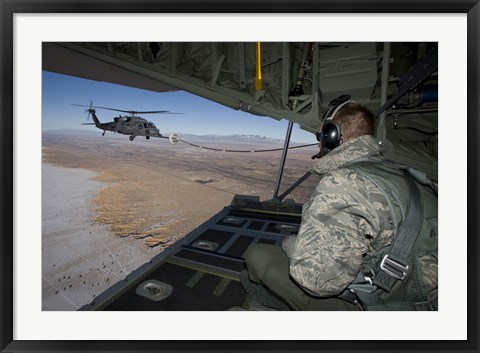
[[109, 205]]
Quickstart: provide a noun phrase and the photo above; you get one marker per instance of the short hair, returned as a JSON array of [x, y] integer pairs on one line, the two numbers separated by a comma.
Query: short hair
[[355, 120]]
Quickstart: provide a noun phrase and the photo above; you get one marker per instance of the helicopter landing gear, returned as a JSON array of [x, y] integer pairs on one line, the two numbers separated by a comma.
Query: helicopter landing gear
[[147, 137], [103, 133], [131, 137]]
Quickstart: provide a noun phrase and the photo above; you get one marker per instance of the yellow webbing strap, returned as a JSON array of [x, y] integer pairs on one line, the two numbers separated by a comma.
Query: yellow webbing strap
[[258, 76]]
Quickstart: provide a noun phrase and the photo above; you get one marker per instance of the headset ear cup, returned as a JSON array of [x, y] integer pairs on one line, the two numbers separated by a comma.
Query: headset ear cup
[[331, 135]]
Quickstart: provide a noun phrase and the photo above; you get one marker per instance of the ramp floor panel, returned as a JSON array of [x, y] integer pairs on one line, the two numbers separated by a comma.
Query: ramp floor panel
[[192, 290], [211, 259]]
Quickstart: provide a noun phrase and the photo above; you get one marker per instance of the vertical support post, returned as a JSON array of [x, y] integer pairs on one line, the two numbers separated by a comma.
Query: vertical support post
[[139, 52], [282, 161], [381, 125], [216, 71], [241, 65], [174, 58], [286, 67]]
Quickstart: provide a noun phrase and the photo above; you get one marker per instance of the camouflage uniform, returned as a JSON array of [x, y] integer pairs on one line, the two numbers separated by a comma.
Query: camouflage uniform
[[347, 220], [346, 217]]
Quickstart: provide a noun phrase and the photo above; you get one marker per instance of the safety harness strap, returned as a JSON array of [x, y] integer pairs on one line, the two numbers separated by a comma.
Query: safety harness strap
[[395, 265]]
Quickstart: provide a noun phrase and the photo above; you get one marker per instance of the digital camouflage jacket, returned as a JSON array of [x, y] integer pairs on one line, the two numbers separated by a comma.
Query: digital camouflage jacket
[[347, 218]]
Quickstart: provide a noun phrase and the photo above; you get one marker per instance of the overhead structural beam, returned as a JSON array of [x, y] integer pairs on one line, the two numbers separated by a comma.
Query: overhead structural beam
[[233, 99]]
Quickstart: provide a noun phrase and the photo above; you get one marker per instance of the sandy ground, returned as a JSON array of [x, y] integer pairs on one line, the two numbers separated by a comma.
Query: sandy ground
[[109, 206], [84, 251], [80, 258]]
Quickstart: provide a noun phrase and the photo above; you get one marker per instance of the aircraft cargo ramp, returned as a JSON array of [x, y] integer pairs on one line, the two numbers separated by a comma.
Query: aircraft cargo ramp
[[201, 272]]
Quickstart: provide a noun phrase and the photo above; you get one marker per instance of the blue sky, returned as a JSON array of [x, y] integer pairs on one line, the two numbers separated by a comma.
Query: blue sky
[[199, 116]]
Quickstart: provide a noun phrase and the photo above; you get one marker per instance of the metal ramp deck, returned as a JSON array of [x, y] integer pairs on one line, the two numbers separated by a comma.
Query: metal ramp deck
[[201, 271]]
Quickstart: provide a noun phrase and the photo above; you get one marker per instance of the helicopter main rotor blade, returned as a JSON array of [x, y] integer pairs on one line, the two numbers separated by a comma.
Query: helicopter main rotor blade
[[156, 112], [82, 105], [116, 110], [94, 106], [132, 112]]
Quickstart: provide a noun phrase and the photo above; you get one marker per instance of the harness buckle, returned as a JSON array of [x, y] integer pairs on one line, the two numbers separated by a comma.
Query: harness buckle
[[394, 268]]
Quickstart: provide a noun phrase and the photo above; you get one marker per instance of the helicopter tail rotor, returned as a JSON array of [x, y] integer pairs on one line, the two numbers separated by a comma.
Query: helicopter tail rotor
[[89, 111]]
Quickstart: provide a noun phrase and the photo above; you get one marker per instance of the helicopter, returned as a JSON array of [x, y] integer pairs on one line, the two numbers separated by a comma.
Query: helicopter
[[131, 124]]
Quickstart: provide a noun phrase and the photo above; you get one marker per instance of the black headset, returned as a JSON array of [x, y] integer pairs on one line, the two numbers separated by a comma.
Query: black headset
[[331, 135]]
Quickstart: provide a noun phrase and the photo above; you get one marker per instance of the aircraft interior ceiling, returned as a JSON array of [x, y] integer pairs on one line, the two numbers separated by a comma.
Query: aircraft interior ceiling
[[293, 81]]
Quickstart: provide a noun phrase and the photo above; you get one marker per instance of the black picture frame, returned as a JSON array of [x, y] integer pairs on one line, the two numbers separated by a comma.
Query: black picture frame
[[10, 7]]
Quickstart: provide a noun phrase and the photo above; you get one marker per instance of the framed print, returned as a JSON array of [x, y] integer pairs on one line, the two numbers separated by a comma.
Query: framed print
[[61, 59]]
